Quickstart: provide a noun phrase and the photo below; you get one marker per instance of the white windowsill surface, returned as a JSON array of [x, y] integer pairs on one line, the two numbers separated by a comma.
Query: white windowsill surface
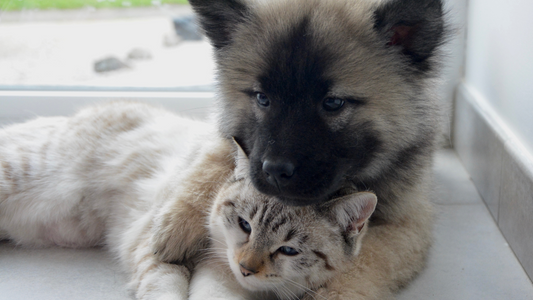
[[470, 259], [21, 105]]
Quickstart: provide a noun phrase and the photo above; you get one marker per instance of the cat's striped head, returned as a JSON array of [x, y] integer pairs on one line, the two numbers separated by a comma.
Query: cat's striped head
[[288, 249]]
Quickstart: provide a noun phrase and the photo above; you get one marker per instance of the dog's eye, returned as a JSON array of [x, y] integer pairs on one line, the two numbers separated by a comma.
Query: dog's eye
[[262, 99], [333, 104], [245, 226]]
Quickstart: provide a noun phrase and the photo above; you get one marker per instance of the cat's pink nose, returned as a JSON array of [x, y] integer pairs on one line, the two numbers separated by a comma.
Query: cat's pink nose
[[246, 272]]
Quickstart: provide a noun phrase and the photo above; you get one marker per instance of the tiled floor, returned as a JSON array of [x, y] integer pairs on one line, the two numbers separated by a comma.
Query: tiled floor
[[470, 259]]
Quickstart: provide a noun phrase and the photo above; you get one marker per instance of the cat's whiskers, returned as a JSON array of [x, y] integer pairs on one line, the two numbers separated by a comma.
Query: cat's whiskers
[[288, 293], [214, 249], [215, 263], [217, 253], [212, 255], [280, 293], [218, 241], [220, 258], [220, 252], [275, 290], [306, 289]]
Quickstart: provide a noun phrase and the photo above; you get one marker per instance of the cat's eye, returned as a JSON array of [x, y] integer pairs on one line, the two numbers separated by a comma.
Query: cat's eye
[[262, 99], [333, 104], [245, 226], [288, 251]]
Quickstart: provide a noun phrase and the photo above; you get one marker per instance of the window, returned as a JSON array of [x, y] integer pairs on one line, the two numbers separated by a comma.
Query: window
[[57, 55]]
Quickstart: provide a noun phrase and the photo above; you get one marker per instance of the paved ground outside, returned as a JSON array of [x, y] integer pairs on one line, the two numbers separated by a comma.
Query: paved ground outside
[[59, 48]]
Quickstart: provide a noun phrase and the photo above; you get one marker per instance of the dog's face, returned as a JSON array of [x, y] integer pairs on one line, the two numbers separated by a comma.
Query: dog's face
[[322, 93]]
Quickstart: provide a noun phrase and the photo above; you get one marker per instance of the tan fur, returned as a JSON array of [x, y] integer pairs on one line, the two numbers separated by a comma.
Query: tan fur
[[321, 233], [359, 54], [192, 202], [99, 177], [391, 256], [360, 67]]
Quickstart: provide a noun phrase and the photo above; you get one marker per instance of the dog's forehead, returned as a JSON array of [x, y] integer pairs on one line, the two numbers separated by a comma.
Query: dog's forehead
[[281, 13], [301, 45], [296, 63], [326, 21]]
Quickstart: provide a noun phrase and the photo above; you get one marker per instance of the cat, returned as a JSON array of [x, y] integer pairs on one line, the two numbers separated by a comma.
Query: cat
[[108, 176], [274, 247]]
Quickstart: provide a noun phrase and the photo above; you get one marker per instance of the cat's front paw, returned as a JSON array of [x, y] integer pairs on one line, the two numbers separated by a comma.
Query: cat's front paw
[[178, 234]]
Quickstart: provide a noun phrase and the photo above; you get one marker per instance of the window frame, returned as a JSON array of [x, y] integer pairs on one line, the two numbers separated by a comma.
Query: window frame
[[17, 105]]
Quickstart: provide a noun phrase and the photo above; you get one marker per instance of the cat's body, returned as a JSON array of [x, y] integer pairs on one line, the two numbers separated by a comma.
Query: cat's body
[[92, 179], [64, 179], [112, 174]]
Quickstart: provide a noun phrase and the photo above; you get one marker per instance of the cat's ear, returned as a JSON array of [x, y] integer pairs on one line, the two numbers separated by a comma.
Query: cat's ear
[[415, 27], [352, 211], [242, 162], [219, 18]]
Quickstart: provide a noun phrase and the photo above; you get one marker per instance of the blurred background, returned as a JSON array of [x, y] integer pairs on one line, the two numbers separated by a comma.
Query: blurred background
[[66, 44], [59, 55]]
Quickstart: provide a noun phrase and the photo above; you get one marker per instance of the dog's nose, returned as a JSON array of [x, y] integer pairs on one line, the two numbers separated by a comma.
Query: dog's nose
[[278, 172]]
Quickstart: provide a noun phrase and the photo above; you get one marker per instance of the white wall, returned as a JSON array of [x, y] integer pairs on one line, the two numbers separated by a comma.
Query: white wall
[[454, 50], [499, 62]]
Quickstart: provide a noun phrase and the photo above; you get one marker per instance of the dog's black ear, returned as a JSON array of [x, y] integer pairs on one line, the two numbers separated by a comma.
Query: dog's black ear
[[218, 18], [417, 27]]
